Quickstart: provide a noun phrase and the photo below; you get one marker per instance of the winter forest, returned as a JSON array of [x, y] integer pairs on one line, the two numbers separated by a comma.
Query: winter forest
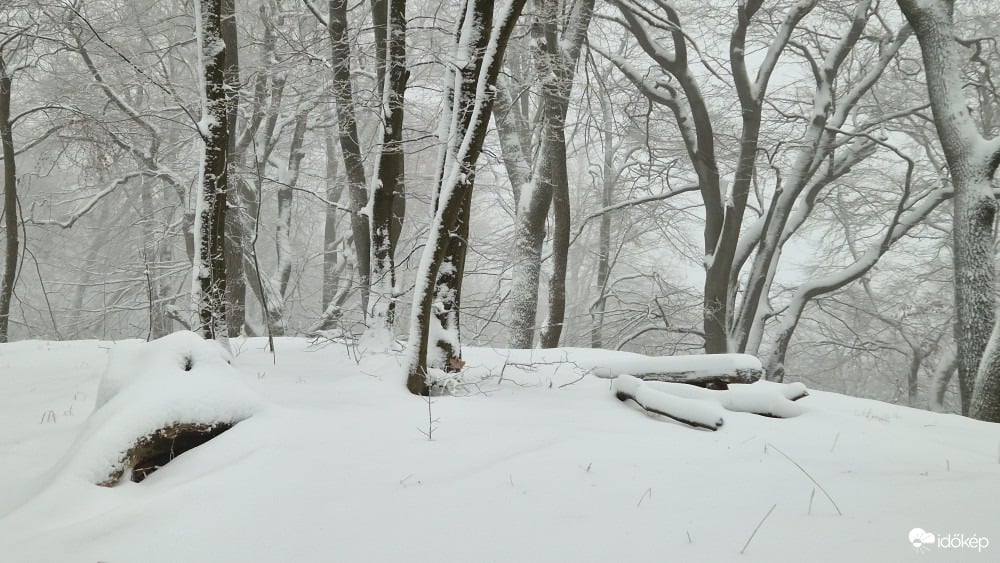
[[474, 190], [643, 176]]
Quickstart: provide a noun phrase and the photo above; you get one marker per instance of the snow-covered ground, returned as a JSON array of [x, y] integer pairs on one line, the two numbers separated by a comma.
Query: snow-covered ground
[[533, 463]]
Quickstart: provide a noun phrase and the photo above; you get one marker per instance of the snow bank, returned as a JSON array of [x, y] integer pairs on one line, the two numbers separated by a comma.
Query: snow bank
[[148, 386], [130, 360]]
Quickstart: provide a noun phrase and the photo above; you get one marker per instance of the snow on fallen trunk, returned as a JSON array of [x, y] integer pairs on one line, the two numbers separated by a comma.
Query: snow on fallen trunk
[[766, 398], [156, 400], [714, 371], [699, 414]]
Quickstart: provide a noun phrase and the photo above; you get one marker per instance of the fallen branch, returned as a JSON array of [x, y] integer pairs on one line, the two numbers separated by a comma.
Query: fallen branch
[[698, 414], [711, 371], [764, 398]]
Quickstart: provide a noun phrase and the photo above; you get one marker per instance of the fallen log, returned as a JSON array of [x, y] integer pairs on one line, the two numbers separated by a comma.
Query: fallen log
[[158, 448], [764, 398], [710, 371], [692, 412]]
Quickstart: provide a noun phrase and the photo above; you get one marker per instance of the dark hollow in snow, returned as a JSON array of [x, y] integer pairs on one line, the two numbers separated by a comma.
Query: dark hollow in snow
[[155, 450]]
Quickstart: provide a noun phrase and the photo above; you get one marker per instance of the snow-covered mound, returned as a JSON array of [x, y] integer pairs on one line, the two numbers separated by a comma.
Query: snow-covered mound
[[174, 356], [146, 387], [535, 461]]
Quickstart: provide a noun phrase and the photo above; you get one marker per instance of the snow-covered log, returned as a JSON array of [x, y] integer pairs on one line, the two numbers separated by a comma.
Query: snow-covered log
[[154, 450], [766, 398], [699, 414], [712, 371], [156, 401]]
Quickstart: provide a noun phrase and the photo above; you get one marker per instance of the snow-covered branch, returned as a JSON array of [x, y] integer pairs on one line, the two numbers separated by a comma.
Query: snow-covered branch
[[87, 207]]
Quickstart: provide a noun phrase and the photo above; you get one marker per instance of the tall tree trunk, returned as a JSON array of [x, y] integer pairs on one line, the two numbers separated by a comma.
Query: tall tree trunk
[[333, 264], [343, 95], [210, 219], [604, 233], [12, 246], [471, 93], [236, 286], [159, 323], [277, 286], [387, 194], [972, 161], [556, 61]]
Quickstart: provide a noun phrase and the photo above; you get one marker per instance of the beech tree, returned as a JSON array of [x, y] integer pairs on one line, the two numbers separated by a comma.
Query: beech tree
[[544, 182], [470, 80], [209, 286], [827, 152], [972, 160], [387, 197], [10, 201]]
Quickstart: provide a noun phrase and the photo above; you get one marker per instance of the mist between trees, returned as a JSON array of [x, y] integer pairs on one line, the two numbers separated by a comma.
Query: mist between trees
[[804, 181]]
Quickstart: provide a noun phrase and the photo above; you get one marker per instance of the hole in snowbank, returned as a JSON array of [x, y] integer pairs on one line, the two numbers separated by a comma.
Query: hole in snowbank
[[155, 450], [188, 363]]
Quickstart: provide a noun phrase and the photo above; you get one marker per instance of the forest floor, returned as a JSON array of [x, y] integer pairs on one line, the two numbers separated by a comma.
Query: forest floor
[[538, 464]]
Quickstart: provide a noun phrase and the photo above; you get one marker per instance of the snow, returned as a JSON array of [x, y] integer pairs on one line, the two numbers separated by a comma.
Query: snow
[[537, 461], [635, 364], [699, 413]]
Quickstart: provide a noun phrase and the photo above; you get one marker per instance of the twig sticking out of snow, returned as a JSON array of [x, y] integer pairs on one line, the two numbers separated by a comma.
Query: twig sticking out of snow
[[759, 524], [698, 414], [806, 473]]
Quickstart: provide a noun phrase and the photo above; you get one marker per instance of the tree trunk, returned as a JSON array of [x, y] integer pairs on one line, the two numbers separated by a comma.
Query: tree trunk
[[556, 61], [972, 162], [210, 219], [942, 376], [277, 286], [388, 198], [604, 234], [450, 276], [12, 246], [236, 287], [472, 98], [354, 166], [332, 261]]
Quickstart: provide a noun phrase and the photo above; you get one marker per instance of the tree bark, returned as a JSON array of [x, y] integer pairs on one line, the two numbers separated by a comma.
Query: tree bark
[[387, 194], [604, 234], [972, 161], [556, 61], [354, 166], [12, 245], [333, 263], [471, 94], [210, 220], [236, 287]]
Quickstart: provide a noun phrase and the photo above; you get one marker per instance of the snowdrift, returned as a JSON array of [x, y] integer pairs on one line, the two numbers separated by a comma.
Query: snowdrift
[[535, 461]]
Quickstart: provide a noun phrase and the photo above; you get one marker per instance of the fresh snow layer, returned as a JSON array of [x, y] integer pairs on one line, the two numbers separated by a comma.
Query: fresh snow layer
[[532, 460], [635, 364], [705, 414]]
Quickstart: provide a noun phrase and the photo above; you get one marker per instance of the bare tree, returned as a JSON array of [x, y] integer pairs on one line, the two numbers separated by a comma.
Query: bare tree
[[10, 222], [480, 44], [209, 287], [557, 51], [972, 160], [387, 197]]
